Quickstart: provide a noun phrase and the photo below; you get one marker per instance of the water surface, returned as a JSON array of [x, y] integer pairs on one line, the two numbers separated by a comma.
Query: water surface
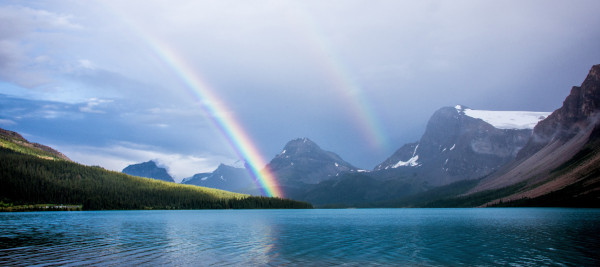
[[424, 237]]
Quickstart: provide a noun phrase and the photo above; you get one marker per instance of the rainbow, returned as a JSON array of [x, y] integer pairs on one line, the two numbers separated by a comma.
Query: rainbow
[[226, 123], [222, 119]]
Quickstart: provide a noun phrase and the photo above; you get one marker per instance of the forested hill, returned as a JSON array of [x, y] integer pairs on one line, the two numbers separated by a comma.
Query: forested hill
[[27, 179]]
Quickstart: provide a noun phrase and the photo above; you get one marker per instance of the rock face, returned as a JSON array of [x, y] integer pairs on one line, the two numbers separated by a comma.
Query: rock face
[[226, 178], [562, 151], [149, 170], [304, 162], [457, 146]]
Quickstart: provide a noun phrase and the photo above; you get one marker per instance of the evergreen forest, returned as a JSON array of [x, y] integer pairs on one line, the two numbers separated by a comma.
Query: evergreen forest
[[27, 179]]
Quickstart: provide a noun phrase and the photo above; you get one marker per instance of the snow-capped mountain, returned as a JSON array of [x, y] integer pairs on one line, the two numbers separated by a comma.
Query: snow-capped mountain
[[461, 143], [149, 170], [303, 161], [227, 178]]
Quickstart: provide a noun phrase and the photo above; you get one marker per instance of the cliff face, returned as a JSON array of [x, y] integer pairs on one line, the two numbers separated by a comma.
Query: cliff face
[[578, 113], [562, 150]]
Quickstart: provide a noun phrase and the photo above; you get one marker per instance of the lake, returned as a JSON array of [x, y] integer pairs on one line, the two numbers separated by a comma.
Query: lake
[[352, 237]]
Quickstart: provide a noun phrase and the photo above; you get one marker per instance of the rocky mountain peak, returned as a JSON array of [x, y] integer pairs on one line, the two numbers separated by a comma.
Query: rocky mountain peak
[[226, 177], [303, 161], [223, 168], [148, 169], [459, 143], [298, 147], [461, 108], [583, 100]]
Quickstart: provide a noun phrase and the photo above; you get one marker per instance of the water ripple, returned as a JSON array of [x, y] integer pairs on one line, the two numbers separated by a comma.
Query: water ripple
[[421, 237]]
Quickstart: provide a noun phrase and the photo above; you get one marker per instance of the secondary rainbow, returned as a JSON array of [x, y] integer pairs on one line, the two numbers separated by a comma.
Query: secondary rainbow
[[339, 75]]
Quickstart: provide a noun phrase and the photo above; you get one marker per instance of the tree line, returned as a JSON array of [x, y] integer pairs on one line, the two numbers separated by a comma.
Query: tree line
[[26, 180]]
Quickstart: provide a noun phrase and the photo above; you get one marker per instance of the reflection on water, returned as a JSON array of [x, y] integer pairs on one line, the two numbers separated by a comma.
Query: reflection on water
[[303, 237]]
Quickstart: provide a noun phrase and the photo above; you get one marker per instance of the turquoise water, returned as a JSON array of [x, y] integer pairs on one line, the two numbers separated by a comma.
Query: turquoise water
[[423, 237]]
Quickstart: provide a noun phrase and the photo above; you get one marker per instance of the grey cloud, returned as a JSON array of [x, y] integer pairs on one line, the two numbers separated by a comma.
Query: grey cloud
[[274, 64], [19, 61]]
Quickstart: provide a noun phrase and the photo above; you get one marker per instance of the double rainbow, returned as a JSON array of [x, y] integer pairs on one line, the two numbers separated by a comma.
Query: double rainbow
[[230, 127]]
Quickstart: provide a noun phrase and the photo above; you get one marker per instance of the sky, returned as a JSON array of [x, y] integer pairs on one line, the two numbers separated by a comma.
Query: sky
[[192, 84]]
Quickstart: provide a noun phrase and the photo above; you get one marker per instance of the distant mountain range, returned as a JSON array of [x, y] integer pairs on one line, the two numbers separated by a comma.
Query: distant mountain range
[[301, 162], [466, 157], [469, 156], [459, 144]]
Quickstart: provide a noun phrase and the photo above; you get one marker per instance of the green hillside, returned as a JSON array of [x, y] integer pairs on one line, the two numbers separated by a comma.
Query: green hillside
[[16, 142], [29, 176]]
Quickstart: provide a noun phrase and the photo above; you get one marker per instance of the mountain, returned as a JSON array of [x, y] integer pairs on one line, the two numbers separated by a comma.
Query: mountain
[[303, 162], [149, 170], [226, 178], [460, 143], [562, 157], [14, 141]]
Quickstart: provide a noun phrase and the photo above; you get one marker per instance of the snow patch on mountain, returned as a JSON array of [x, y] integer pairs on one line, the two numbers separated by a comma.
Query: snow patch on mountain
[[412, 162], [506, 119]]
